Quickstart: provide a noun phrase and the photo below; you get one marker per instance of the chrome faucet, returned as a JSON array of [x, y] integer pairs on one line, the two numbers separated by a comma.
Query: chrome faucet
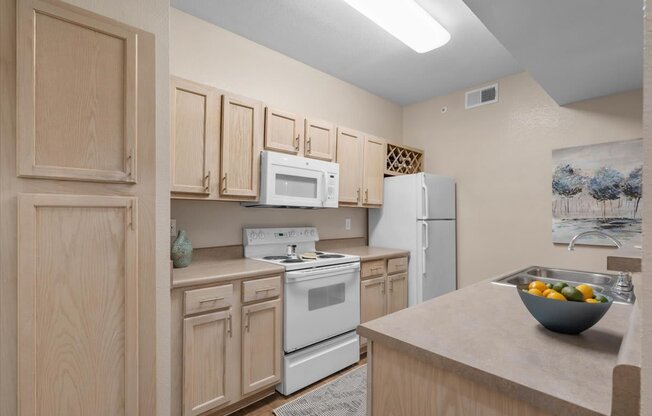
[[624, 283], [571, 245]]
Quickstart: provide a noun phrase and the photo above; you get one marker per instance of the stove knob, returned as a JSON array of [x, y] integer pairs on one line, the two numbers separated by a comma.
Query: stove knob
[[291, 234], [312, 232]]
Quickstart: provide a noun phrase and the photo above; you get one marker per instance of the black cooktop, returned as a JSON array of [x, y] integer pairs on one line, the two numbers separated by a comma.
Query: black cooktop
[[275, 258], [292, 261], [330, 256]]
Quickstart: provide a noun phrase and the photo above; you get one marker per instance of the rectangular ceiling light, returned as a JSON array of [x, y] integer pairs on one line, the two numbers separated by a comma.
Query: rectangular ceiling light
[[406, 21]]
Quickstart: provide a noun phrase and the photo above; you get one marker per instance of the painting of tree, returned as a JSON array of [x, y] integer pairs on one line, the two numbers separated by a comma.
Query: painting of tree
[[605, 185], [633, 187], [567, 182]]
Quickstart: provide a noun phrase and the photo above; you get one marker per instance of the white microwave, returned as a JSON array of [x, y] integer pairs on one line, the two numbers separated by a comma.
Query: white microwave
[[297, 182]]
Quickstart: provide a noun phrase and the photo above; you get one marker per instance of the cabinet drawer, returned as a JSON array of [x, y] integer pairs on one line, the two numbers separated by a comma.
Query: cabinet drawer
[[260, 289], [397, 265], [372, 268], [208, 299]]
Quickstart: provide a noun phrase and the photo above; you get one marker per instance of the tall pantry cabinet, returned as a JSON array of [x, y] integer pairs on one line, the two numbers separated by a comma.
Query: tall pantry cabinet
[[78, 183]]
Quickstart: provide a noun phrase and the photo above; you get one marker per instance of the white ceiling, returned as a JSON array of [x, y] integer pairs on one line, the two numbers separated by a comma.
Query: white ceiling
[[576, 49], [332, 37]]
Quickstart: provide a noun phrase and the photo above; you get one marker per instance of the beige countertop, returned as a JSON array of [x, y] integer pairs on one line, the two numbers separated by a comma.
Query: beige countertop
[[484, 332], [367, 253], [207, 269]]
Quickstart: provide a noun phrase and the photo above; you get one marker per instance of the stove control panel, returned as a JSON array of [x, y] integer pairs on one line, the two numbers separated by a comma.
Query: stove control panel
[[259, 236]]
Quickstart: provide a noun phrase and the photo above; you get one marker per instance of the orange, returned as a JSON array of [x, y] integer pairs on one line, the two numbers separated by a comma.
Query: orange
[[590, 300], [556, 296], [535, 292], [587, 291], [547, 291], [538, 285]]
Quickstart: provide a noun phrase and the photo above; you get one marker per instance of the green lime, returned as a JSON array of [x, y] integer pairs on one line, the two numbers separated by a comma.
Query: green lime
[[559, 286], [601, 299], [572, 293], [549, 285]]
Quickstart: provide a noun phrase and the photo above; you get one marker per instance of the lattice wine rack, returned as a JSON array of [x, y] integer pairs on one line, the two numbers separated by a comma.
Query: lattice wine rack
[[403, 160]]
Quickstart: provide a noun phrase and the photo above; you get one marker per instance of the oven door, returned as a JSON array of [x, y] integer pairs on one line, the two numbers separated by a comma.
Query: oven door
[[320, 303]]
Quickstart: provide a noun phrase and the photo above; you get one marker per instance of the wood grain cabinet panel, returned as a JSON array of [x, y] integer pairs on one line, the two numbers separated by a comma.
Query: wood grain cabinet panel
[[397, 294], [374, 154], [320, 140], [241, 146], [261, 345], [76, 95], [349, 157], [194, 118], [283, 131], [77, 305], [207, 362], [372, 301]]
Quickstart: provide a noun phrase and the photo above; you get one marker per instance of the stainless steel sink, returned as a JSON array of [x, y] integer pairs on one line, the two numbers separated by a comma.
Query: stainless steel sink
[[601, 282]]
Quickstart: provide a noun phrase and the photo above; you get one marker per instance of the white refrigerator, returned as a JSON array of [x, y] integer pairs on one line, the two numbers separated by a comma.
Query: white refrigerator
[[418, 215]]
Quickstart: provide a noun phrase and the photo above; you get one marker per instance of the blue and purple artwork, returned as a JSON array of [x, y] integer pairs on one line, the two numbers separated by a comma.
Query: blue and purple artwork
[[598, 187]]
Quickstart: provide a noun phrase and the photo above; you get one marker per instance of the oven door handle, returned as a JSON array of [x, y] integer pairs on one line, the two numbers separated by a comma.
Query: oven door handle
[[303, 275]]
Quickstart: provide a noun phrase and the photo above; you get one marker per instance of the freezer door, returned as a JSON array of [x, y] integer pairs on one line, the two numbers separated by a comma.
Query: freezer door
[[437, 268], [436, 197]]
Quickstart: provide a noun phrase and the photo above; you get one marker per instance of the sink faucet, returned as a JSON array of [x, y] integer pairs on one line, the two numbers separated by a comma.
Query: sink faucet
[[624, 283], [571, 245]]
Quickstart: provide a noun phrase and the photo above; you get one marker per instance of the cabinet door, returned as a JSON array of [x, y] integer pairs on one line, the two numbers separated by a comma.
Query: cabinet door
[[320, 140], [349, 156], [373, 171], [397, 294], [194, 113], [283, 131], [76, 95], [241, 146], [207, 361], [261, 345], [372, 300], [77, 305]]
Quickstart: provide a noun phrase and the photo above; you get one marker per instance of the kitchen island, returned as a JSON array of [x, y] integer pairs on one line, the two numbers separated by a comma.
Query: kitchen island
[[478, 351]]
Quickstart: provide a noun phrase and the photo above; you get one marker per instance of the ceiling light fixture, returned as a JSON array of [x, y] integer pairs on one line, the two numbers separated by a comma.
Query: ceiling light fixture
[[406, 20]]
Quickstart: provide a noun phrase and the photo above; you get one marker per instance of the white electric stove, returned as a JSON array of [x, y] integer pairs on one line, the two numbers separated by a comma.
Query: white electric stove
[[321, 303]]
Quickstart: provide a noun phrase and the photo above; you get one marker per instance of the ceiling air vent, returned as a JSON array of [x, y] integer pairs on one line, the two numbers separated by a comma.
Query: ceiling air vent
[[481, 96]]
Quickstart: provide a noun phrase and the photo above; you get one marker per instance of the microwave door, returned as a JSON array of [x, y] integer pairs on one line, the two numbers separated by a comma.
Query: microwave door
[[292, 186]]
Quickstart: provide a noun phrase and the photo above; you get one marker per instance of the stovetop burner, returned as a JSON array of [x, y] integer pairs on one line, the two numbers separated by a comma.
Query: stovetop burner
[[330, 256], [292, 261], [275, 258]]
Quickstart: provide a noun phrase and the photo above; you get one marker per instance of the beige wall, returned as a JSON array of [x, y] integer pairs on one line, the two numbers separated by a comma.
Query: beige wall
[[500, 156], [153, 16], [209, 54], [644, 292]]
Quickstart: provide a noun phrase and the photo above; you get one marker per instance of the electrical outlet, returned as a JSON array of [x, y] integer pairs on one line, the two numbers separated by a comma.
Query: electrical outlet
[[347, 224], [173, 227]]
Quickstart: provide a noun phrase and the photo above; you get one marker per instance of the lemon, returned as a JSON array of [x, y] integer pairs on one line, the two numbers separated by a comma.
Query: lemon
[[587, 291], [538, 285], [547, 291], [556, 296], [591, 300], [535, 292]]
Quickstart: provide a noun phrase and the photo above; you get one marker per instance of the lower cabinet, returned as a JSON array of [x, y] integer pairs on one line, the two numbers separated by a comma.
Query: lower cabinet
[[372, 299], [207, 361], [397, 292], [227, 344], [261, 345]]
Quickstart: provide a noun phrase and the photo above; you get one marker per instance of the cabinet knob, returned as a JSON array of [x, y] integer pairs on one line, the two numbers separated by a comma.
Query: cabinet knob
[[296, 142], [207, 181], [224, 179], [366, 195], [309, 145]]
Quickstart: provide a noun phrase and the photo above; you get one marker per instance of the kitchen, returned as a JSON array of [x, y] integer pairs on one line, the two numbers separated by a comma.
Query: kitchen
[[498, 154]]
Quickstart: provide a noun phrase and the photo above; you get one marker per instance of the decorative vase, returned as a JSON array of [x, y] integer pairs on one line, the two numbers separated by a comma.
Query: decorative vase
[[181, 250]]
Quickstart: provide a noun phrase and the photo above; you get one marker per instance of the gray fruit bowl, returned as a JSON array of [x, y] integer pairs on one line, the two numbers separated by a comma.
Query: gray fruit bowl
[[566, 317]]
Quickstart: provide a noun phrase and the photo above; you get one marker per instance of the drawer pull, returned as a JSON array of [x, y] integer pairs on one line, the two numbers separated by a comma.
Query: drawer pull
[[265, 289], [211, 299], [377, 268]]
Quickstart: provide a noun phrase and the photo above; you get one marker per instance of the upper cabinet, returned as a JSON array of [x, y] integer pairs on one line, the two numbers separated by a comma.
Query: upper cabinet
[[240, 146], [194, 129], [77, 95], [320, 140], [283, 131], [349, 155], [373, 169]]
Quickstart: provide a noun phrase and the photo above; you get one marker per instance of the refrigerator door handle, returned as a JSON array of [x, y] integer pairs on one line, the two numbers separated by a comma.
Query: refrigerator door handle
[[424, 200], [426, 243]]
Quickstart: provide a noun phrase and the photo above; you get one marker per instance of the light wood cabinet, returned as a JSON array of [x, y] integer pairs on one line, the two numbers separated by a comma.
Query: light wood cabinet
[[261, 345], [397, 292], [241, 143], [207, 362], [373, 170], [320, 140], [349, 156], [283, 131], [194, 118], [372, 299], [77, 305], [77, 96]]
